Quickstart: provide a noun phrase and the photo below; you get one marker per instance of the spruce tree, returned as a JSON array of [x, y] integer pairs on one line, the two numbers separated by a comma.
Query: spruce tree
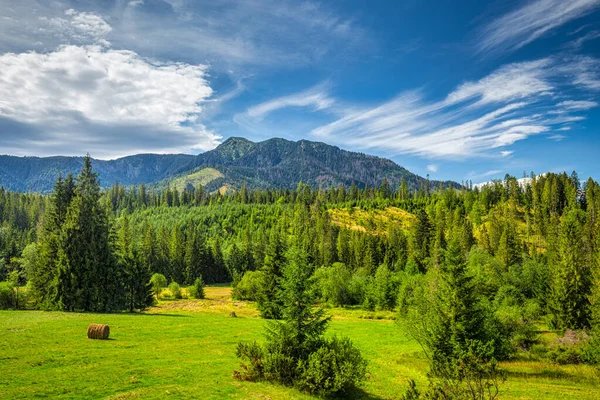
[[270, 303], [42, 279], [88, 278], [569, 298]]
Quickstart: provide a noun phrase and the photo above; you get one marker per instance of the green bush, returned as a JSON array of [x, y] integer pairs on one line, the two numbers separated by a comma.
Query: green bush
[[567, 355], [175, 290], [7, 296], [335, 367], [249, 287], [196, 291]]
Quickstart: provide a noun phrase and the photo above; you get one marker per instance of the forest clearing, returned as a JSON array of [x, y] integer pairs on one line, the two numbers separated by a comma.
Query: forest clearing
[[185, 349]]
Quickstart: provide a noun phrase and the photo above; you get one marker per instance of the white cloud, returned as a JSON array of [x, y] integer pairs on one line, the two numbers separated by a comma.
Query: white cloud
[[75, 86], [317, 98], [510, 105], [577, 104], [585, 72], [578, 43], [78, 27], [512, 82], [432, 168], [557, 138], [506, 153], [529, 22]]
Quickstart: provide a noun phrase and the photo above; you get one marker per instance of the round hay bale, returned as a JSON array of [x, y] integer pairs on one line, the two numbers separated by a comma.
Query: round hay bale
[[233, 314], [98, 331]]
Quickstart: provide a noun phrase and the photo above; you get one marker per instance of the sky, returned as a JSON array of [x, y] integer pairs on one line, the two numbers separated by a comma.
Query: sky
[[461, 90]]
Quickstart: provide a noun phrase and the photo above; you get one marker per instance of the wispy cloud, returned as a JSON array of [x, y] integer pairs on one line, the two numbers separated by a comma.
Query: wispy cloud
[[557, 137], [529, 22], [578, 43], [510, 105], [432, 168], [317, 98], [577, 104]]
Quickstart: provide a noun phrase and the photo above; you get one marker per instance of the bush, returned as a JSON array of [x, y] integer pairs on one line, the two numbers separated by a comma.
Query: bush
[[7, 296], [197, 289], [335, 367], [175, 290], [249, 287], [566, 355]]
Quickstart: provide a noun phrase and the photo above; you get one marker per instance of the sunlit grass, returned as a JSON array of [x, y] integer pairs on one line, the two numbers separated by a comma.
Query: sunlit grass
[[185, 349]]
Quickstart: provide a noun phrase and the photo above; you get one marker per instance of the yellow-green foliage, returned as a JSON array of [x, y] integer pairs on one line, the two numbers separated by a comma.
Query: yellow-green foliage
[[202, 177], [372, 221]]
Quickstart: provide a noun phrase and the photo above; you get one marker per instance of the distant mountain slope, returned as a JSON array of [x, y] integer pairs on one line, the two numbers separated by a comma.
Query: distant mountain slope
[[37, 174], [284, 163], [273, 163]]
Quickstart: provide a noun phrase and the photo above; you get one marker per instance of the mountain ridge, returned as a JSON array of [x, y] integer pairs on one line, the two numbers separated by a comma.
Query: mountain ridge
[[271, 163]]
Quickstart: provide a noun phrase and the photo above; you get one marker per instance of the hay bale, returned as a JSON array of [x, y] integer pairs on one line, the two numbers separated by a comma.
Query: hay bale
[[98, 331], [233, 314]]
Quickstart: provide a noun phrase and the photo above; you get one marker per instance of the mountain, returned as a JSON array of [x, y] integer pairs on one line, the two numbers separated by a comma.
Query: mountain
[[37, 174], [283, 163], [272, 163]]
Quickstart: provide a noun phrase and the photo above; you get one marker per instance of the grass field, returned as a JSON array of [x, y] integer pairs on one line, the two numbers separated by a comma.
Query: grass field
[[185, 349]]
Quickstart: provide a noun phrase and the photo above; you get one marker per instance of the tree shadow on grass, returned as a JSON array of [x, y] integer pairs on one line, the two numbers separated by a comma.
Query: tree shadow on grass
[[357, 394]]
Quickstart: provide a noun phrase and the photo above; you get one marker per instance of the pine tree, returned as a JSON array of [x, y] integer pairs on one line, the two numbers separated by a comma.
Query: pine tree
[[269, 301], [88, 278], [138, 289], [42, 279], [422, 238], [569, 299]]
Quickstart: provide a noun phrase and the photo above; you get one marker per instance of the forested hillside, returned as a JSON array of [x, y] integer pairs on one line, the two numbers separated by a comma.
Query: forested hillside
[[236, 162], [476, 271], [38, 174], [277, 163]]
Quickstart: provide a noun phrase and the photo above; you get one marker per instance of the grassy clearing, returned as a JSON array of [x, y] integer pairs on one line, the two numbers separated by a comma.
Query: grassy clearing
[[201, 177], [185, 349], [373, 221]]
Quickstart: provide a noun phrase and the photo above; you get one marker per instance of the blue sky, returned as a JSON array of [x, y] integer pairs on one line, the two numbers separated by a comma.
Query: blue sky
[[462, 90]]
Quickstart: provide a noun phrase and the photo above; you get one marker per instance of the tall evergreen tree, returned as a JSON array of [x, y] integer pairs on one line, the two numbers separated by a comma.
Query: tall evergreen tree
[[270, 302], [569, 300], [88, 278]]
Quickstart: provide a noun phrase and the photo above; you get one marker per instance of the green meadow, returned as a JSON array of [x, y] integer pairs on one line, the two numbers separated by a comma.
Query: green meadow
[[186, 349]]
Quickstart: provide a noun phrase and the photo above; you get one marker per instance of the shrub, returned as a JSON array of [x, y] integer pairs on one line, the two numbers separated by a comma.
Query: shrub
[[335, 367], [248, 288], [252, 365], [566, 355], [175, 290], [7, 296], [197, 289]]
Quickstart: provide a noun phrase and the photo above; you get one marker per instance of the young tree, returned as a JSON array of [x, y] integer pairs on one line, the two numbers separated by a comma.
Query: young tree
[[158, 282], [296, 353]]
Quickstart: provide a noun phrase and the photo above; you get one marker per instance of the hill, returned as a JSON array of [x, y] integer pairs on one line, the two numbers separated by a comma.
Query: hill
[[272, 163], [283, 163]]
